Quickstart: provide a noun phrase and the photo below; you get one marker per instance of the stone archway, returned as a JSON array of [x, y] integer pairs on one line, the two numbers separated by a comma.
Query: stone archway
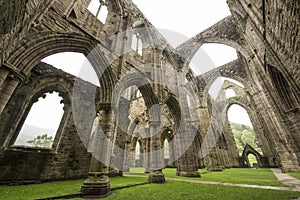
[[166, 137], [226, 33], [44, 78], [244, 161], [27, 94]]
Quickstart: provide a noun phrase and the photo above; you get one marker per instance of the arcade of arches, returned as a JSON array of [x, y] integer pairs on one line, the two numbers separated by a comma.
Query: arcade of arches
[[148, 94]]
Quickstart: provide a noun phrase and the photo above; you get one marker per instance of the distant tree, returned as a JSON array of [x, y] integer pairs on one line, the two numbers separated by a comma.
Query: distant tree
[[42, 141], [244, 134], [238, 136], [249, 138]]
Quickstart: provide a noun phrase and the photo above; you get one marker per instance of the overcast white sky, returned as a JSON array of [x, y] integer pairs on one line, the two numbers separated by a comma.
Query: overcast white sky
[[186, 18]]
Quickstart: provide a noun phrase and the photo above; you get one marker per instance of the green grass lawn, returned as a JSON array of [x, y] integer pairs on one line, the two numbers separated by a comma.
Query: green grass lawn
[[294, 174], [181, 190], [234, 175], [171, 190], [57, 188]]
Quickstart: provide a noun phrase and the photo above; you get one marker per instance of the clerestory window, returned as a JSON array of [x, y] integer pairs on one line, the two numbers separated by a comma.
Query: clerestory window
[[99, 9], [137, 44]]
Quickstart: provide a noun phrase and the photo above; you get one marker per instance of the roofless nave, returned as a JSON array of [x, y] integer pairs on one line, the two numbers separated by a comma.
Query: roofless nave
[[147, 94]]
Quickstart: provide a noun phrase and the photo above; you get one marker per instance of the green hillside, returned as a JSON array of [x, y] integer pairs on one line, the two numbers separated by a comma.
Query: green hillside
[[244, 134], [30, 132]]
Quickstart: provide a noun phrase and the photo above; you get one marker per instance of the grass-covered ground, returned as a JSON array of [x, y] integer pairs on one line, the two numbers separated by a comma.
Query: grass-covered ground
[[57, 188], [184, 191], [295, 174], [235, 175], [171, 190]]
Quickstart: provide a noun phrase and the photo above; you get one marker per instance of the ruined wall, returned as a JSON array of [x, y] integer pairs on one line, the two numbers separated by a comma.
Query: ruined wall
[[263, 28], [68, 159]]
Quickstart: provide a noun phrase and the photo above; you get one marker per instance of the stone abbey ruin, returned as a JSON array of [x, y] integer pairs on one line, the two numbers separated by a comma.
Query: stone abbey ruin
[[148, 93]]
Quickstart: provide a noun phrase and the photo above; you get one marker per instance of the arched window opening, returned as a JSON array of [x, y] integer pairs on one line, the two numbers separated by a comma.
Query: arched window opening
[[230, 93], [288, 98], [99, 9], [138, 156], [138, 94], [130, 92], [42, 122], [137, 151], [211, 56], [252, 160], [242, 129], [137, 105], [75, 64], [216, 86], [166, 149], [137, 44]]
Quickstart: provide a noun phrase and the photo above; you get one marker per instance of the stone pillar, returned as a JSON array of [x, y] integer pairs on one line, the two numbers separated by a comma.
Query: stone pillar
[[211, 148], [98, 184], [187, 164], [221, 157], [213, 162], [171, 161], [3, 74], [7, 88], [132, 156], [142, 155], [156, 154], [126, 157], [147, 150], [232, 151]]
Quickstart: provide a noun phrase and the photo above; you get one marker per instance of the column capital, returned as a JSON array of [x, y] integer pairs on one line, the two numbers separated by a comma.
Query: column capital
[[15, 73]]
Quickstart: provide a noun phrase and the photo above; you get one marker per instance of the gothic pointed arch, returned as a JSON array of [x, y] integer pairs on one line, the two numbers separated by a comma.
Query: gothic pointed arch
[[225, 32]]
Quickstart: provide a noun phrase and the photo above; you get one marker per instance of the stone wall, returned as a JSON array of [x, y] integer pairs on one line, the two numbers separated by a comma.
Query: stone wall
[[68, 159]]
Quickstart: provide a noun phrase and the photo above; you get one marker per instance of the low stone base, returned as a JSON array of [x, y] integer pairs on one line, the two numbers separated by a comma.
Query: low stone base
[[290, 166], [114, 173], [156, 177], [214, 169], [126, 169], [96, 185], [188, 174], [294, 168]]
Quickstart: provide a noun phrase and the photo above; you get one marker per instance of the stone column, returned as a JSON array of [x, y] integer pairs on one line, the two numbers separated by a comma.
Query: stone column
[[98, 184], [118, 153], [142, 155], [156, 154], [132, 156], [147, 150], [171, 154], [211, 148], [3, 74], [232, 151], [213, 162], [126, 157], [7, 88], [185, 149]]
